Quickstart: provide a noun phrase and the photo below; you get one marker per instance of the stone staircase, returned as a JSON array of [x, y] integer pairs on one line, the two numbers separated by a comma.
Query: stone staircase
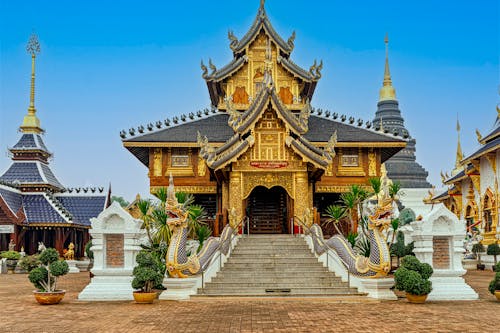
[[275, 265]]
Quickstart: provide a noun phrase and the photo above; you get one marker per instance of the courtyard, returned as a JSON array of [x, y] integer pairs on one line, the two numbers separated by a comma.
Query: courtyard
[[20, 313]]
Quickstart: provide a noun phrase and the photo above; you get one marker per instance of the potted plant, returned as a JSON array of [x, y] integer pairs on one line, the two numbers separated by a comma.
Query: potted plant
[[494, 286], [412, 277], [12, 259], [477, 249], [147, 275], [493, 250], [44, 277], [90, 254]]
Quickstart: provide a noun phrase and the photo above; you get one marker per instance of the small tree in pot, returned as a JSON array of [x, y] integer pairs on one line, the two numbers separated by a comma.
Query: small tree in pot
[[413, 278], [493, 250], [477, 249], [44, 277], [147, 275], [494, 286]]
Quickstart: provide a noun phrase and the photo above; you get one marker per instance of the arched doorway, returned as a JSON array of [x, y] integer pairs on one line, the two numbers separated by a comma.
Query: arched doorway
[[268, 210]]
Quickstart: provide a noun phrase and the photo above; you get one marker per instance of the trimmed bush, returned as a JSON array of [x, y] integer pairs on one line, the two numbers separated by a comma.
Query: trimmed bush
[[495, 283], [147, 274], [11, 255], [413, 276], [88, 252], [493, 250], [44, 277]]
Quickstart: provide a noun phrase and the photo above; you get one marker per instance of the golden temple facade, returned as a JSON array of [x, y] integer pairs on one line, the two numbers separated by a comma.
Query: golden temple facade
[[262, 150]]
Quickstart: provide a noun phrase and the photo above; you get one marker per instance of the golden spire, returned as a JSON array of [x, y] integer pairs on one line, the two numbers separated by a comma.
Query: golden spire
[[31, 123], [387, 93], [459, 155]]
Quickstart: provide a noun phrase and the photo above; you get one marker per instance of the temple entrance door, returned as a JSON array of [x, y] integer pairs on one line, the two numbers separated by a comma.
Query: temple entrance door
[[268, 210]]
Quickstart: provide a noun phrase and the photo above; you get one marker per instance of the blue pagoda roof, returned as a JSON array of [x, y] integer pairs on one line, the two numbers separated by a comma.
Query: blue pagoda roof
[[30, 172], [83, 208]]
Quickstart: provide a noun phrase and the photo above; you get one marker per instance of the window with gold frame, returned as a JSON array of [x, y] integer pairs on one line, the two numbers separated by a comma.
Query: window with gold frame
[[350, 162], [180, 157], [470, 214]]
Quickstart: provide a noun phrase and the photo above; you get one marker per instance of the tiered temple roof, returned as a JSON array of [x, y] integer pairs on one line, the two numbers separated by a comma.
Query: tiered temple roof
[[30, 193]]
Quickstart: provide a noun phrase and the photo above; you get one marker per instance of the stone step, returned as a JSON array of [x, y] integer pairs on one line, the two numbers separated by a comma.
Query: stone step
[[321, 291], [245, 286], [238, 274], [277, 280], [277, 254], [273, 260], [258, 266]]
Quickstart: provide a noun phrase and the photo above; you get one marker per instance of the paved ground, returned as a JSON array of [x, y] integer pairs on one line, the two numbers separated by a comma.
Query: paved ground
[[20, 313]]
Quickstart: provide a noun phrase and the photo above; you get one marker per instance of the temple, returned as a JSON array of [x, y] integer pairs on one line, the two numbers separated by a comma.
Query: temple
[[262, 150], [403, 166], [34, 205], [472, 185]]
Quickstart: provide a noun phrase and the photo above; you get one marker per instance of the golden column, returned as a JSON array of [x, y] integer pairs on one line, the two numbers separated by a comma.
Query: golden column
[[235, 198], [302, 196]]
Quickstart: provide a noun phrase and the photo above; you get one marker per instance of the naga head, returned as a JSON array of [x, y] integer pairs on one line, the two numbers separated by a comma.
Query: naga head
[[177, 216], [378, 212]]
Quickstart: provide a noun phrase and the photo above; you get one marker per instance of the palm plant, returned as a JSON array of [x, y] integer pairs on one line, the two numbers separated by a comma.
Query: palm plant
[[349, 201], [394, 188], [335, 213], [376, 185], [352, 201]]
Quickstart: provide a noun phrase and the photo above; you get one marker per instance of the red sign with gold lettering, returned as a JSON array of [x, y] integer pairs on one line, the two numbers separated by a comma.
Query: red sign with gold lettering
[[269, 164]]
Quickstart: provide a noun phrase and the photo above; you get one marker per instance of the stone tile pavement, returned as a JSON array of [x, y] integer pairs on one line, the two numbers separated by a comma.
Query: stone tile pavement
[[20, 313]]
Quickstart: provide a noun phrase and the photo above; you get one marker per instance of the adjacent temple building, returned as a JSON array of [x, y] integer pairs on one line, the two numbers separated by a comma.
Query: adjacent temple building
[[472, 192], [261, 150], [34, 205], [403, 166]]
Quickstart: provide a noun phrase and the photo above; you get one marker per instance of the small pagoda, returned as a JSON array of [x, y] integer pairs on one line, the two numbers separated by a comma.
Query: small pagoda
[[34, 206]]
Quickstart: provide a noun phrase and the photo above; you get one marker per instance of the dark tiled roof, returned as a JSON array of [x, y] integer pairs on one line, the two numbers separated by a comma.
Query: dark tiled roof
[[29, 173], [296, 69], [440, 196], [39, 210], [30, 141], [23, 172], [13, 198], [490, 146], [215, 127], [321, 129], [217, 130], [495, 132], [82, 208], [51, 179]]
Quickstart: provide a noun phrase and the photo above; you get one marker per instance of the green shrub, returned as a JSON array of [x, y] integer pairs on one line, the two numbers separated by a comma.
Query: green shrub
[[48, 256], [44, 277], [493, 250], [12, 255], [407, 215], [496, 268], [88, 252], [413, 276], [147, 274], [29, 263], [495, 283], [38, 276]]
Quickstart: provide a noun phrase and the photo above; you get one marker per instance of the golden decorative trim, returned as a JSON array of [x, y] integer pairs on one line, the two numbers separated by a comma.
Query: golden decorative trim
[[336, 188], [180, 171], [363, 144], [157, 162], [372, 163], [169, 144], [188, 189]]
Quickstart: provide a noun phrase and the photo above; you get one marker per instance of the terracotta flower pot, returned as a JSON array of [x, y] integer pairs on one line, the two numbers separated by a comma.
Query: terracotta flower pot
[[142, 297], [497, 294], [49, 298], [416, 299]]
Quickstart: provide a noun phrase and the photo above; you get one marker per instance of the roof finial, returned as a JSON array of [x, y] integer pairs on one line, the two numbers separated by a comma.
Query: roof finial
[[459, 155], [387, 92], [262, 3], [31, 124]]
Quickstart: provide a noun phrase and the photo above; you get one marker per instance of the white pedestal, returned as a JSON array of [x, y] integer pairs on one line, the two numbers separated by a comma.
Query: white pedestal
[[72, 266], [446, 286], [109, 287], [83, 265], [377, 288], [180, 289]]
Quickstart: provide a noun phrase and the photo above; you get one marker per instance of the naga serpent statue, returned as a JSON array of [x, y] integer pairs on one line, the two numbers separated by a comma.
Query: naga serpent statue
[[177, 262], [378, 264]]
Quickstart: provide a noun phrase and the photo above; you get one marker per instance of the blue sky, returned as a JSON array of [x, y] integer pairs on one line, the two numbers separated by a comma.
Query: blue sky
[[108, 65]]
